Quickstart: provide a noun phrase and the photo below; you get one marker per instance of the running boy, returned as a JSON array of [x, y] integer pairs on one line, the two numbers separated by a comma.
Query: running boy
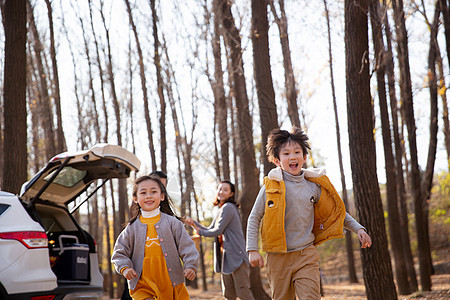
[[299, 209]]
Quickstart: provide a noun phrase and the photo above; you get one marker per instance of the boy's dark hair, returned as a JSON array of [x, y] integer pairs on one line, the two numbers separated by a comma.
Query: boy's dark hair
[[158, 173], [278, 138], [165, 206], [231, 199]]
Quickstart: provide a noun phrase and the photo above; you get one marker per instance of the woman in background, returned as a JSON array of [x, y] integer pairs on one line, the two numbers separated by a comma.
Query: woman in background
[[230, 256]]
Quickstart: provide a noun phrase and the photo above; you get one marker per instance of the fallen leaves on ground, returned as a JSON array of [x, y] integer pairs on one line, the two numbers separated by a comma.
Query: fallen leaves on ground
[[350, 291]]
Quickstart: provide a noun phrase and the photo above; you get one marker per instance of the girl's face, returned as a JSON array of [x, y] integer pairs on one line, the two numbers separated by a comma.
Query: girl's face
[[224, 192], [291, 158], [148, 195]]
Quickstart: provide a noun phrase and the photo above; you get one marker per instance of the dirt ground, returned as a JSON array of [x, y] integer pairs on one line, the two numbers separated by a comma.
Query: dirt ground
[[440, 290], [335, 285]]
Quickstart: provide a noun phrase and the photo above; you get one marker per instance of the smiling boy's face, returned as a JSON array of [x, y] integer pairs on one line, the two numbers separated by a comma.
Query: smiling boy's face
[[291, 158]]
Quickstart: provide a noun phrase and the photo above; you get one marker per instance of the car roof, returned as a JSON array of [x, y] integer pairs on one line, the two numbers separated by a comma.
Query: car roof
[[69, 174]]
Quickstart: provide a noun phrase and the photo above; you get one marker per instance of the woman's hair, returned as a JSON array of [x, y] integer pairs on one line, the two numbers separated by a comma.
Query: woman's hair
[[165, 206], [231, 199], [278, 138]]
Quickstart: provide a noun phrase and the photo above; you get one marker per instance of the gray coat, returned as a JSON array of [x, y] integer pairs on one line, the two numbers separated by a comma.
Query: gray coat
[[175, 244], [228, 223]]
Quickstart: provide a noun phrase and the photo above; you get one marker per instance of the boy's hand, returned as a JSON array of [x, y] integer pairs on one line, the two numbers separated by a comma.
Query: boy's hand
[[129, 273], [255, 259], [364, 238], [189, 273]]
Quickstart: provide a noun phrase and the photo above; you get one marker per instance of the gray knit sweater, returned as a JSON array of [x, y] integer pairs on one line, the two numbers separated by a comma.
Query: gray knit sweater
[[175, 244], [227, 222]]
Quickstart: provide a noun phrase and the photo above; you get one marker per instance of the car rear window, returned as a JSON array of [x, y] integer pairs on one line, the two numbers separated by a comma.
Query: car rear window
[[3, 208], [68, 177]]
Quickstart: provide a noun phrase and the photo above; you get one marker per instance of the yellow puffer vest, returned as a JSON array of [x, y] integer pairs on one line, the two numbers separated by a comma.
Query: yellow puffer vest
[[329, 215]]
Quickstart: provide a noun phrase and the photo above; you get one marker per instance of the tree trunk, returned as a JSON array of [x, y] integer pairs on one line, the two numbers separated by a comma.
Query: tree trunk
[[407, 106], [45, 105], [220, 98], [107, 232], [233, 130], [216, 148], [79, 107], [14, 91], [100, 138], [190, 193], [446, 16], [245, 147], [289, 78], [389, 163], [263, 76], [122, 190], [348, 237], [427, 178], [101, 76], [143, 86], [32, 95], [130, 101], [60, 139], [388, 59], [442, 91], [201, 251], [376, 262], [93, 105], [159, 82]]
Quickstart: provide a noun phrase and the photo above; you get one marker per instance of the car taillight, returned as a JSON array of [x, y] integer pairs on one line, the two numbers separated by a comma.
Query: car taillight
[[47, 297], [30, 239]]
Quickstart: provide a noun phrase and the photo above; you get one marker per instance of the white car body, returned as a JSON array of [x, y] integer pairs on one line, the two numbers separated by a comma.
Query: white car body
[[16, 258], [35, 225]]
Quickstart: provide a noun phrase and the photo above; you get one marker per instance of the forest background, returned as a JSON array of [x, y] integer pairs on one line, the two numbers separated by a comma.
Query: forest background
[[193, 87]]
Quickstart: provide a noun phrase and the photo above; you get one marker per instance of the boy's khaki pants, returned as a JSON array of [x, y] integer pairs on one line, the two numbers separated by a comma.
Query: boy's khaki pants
[[294, 274]]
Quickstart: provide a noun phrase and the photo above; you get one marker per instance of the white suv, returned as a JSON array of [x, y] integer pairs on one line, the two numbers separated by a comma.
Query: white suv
[[45, 254]]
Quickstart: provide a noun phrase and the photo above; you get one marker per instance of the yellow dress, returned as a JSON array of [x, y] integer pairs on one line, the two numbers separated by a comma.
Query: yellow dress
[[155, 282]]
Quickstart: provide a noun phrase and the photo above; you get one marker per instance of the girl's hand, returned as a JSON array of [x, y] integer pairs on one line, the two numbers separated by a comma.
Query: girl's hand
[[364, 238], [129, 273], [189, 273], [255, 258]]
